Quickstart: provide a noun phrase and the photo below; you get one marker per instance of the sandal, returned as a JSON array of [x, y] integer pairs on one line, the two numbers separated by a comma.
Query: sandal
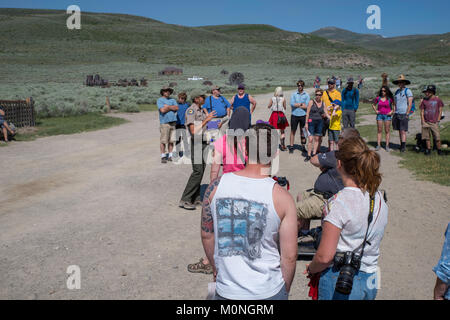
[[200, 267]]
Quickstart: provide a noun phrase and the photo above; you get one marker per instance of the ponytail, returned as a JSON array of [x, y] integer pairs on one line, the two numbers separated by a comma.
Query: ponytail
[[361, 163]]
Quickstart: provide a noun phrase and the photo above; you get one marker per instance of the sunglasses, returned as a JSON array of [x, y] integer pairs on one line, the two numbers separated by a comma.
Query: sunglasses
[[319, 95]]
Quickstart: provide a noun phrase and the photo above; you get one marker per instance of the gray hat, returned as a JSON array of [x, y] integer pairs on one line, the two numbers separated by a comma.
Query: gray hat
[[197, 93], [350, 80]]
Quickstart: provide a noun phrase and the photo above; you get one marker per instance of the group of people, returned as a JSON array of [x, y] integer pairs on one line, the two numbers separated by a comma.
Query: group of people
[[250, 224], [397, 109]]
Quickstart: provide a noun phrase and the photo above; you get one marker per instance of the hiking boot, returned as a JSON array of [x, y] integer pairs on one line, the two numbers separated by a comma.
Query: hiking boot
[[186, 205], [308, 158], [291, 149], [428, 152], [170, 159], [440, 152], [403, 149]]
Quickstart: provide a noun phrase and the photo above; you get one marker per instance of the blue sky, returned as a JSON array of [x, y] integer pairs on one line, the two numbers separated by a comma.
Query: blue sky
[[398, 17]]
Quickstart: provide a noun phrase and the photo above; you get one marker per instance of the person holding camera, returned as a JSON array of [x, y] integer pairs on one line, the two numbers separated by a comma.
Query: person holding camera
[[353, 227]]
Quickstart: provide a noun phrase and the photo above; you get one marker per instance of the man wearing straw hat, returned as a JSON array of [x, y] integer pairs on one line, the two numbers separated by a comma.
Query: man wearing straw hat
[[168, 119], [403, 102]]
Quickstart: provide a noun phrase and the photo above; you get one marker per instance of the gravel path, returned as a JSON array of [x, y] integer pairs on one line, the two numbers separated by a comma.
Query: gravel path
[[102, 200]]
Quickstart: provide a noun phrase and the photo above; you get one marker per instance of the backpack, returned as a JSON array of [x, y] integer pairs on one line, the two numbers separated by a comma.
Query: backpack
[[413, 107]]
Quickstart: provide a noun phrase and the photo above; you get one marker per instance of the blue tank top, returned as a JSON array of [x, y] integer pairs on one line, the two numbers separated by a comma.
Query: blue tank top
[[244, 102]]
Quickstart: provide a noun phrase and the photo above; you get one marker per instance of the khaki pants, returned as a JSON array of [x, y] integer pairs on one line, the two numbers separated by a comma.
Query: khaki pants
[[428, 128], [311, 206], [167, 131]]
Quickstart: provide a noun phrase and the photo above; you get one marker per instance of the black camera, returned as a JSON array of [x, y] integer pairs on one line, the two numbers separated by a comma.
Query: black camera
[[348, 263]]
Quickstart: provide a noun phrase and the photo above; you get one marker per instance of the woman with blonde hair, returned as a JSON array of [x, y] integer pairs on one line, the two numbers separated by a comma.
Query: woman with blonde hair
[[355, 219], [278, 117]]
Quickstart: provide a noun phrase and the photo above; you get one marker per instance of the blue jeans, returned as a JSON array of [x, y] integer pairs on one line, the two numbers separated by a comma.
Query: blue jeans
[[360, 291]]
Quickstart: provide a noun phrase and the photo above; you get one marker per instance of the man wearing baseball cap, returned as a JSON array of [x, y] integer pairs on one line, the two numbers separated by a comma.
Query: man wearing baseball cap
[[431, 112], [350, 104], [242, 99]]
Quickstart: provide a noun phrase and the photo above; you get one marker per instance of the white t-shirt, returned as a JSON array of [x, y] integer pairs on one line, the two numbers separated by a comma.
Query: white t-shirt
[[277, 104], [348, 210]]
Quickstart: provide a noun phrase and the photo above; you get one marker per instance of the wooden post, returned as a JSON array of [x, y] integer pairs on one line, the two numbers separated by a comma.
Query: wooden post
[[108, 105]]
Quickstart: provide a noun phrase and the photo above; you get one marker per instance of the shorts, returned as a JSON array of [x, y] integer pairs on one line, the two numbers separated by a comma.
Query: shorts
[[167, 131], [400, 122], [311, 206], [326, 125], [2, 122], [296, 121], [383, 117], [333, 135], [315, 127], [428, 128]]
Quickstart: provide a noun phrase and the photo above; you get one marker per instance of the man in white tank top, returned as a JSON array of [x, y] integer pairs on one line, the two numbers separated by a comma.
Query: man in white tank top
[[249, 228]]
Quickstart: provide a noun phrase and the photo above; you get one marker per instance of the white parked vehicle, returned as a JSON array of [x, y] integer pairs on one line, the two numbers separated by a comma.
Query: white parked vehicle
[[195, 78]]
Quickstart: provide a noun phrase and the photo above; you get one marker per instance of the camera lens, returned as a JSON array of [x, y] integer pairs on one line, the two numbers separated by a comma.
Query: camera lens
[[344, 282]]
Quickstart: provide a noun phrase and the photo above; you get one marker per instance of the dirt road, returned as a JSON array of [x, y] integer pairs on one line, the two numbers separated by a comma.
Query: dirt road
[[103, 201]]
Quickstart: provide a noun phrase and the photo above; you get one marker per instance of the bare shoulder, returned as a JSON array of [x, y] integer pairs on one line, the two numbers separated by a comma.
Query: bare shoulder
[[282, 201]]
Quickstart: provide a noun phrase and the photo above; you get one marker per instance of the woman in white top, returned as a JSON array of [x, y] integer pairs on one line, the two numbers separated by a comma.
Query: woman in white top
[[278, 107], [346, 224]]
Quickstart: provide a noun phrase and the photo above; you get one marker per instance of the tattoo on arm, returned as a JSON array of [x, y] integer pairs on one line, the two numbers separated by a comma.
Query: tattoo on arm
[[207, 219]]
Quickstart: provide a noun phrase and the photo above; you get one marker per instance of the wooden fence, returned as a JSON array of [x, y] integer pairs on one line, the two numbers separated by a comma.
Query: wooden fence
[[19, 112]]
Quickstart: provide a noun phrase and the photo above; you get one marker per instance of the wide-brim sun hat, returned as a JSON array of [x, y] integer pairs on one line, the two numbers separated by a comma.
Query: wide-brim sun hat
[[164, 89], [401, 78]]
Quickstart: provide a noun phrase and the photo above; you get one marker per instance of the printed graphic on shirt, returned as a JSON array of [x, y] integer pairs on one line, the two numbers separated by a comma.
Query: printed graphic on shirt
[[241, 224]]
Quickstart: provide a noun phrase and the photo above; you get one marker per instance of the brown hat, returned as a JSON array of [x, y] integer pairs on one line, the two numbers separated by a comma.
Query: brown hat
[[401, 79], [215, 88], [164, 89]]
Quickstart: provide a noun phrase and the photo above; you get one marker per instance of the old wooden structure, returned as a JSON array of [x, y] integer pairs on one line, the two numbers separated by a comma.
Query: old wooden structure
[[19, 112], [171, 71]]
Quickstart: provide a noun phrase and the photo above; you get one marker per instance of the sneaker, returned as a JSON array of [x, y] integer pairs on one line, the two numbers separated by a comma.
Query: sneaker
[[308, 158], [428, 152], [387, 149], [186, 205], [403, 149], [170, 159], [440, 152], [164, 160], [291, 150], [198, 203], [378, 148]]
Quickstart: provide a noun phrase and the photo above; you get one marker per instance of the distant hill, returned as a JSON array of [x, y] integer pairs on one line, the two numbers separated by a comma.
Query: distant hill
[[346, 36], [426, 47], [40, 37]]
